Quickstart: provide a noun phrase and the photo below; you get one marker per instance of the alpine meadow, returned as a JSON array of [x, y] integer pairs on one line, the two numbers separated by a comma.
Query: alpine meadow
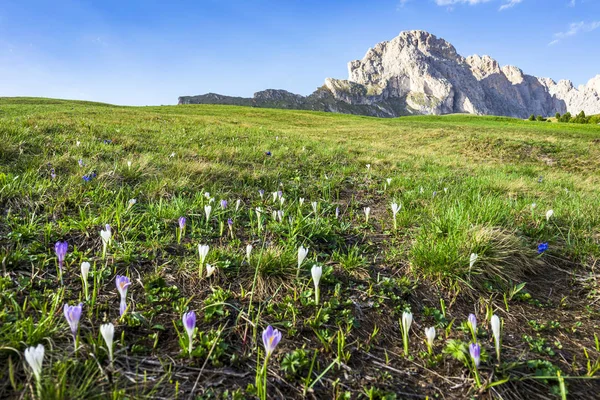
[[227, 252]]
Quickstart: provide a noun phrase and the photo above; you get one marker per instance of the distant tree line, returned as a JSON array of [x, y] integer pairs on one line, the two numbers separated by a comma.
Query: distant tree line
[[580, 118]]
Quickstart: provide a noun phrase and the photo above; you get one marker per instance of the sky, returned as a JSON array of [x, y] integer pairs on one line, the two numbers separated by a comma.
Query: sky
[[135, 52]]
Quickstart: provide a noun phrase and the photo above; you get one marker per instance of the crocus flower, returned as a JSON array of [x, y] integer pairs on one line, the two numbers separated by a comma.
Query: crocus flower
[[80, 162], [207, 195], [337, 212], [78, 143], [108, 332], [472, 322], [280, 215], [316, 272], [302, 253], [203, 251], [53, 174], [248, 252], [207, 210], [223, 204], [389, 181], [475, 351], [314, 206], [274, 194], [129, 164], [210, 270], [301, 200], [73, 314], [368, 167], [533, 206], [35, 358], [407, 319], [472, 259], [267, 153], [430, 335], [280, 193], [238, 203], [229, 222], [261, 193], [367, 211], [85, 270], [281, 200], [271, 338], [131, 203], [496, 327], [549, 214], [105, 235], [189, 323], [542, 247], [61, 248], [395, 208], [123, 284], [181, 221]]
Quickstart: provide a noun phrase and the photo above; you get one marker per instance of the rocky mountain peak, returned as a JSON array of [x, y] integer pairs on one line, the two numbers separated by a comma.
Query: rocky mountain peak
[[418, 73]]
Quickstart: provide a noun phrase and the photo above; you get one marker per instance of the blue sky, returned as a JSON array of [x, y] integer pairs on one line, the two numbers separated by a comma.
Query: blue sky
[[150, 52]]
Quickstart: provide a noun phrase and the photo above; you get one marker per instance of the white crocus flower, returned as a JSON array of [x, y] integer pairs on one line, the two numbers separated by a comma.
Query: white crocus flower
[[85, 270], [274, 194], [203, 251], [302, 253], [314, 206], [549, 214], [129, 164], [210, 270], [395, 208], [108, 332], [316, 272], [301, 200], [238, 203], [35, 358], [207, 211], [430, 335], [105, 235], [496, 328], [367, 211], [472, 259], [407, 319], [248, 252], [389, 181]]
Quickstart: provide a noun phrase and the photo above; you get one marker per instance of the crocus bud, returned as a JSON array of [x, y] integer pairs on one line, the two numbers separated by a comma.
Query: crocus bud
[[302, 253], [207, 210], [475, 351], [430, 335], [203, 251], [108, 332], [472, 259], [549, 214], [248, 251], [35, 358], [85, 270]]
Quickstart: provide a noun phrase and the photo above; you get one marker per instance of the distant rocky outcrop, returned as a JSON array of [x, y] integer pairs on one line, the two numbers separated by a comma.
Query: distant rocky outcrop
[[418, 73]]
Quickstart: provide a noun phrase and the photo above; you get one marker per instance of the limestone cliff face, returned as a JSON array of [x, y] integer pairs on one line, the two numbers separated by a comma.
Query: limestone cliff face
[[418, 73]]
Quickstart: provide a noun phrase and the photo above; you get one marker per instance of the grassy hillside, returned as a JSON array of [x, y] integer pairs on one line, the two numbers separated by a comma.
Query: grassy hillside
[[465, 185]]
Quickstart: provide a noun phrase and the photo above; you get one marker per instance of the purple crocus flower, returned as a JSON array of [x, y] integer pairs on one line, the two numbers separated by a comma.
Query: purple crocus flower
[[271, 338], [61, 248], [189, 323], [122, 283], [475, 350], [542, 247], [73, 314], [279, 193], [230, 222], [261, 193], [80, 162], [182, 222], [473, 322], [223, 204], [53, 174]]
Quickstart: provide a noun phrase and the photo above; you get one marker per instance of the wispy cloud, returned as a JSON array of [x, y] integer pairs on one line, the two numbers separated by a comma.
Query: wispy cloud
[[507, 3], [510, 4], [574, 29]]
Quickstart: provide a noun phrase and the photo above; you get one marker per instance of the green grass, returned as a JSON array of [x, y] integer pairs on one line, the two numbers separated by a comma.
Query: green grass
[[466, 185]]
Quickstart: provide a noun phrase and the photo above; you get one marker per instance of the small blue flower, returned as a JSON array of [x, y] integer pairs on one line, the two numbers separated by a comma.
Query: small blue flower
[[542, 247], [229, 222], [267, 153], [107, 141]]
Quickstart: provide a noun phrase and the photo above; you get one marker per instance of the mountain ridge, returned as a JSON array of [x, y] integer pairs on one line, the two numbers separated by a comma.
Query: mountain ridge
[[419, 73]]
